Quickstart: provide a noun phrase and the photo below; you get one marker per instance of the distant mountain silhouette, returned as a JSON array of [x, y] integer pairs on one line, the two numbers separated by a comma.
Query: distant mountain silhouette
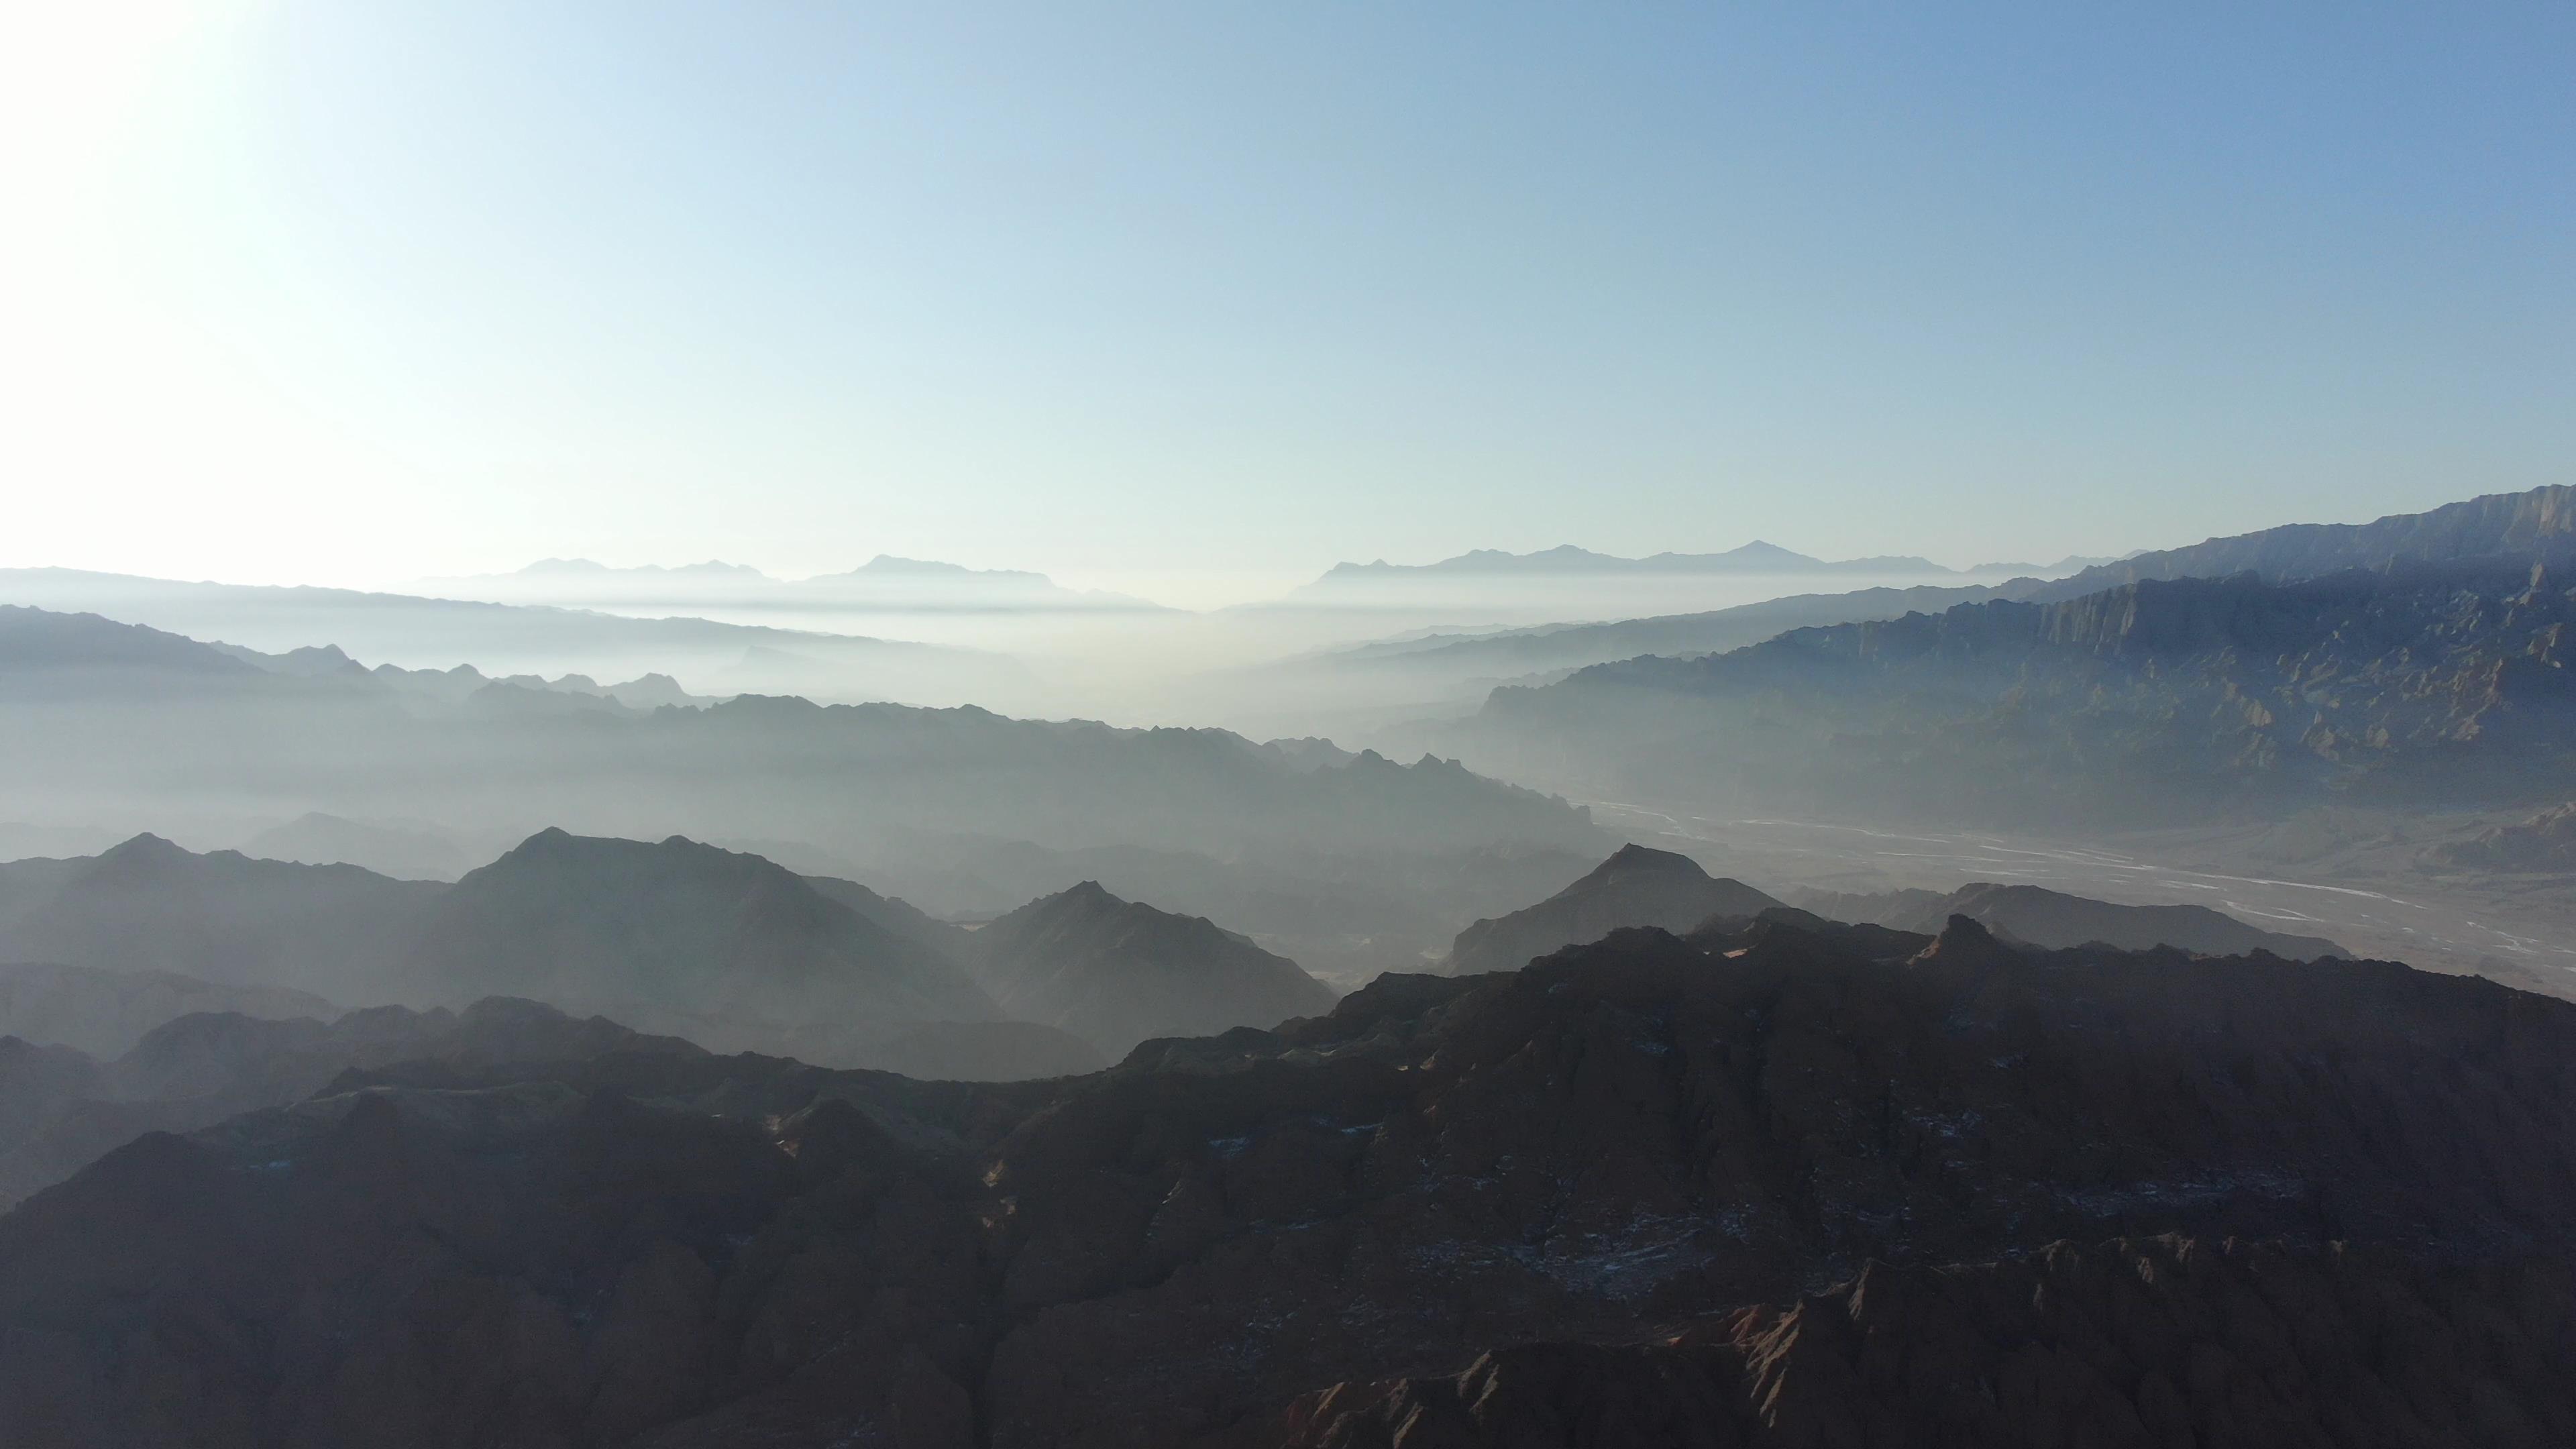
[[104, 1013], [729, 950], [514, 638], [840, 777], [149, 905], [1637, 886], [1756, 557], [2054, 920], [60, 1108], [586, 568], [314, 838], [1117, 972]]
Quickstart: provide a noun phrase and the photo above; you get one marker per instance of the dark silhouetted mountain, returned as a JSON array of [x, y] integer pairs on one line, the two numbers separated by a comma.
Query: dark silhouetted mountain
[[196, 1070], [1116, 972], [1343, 913], [2157, 700], [2054, 919], [223, 917], [729, 950], [314, 838], [1635, 887], [104, 1013], [1585, 1169]]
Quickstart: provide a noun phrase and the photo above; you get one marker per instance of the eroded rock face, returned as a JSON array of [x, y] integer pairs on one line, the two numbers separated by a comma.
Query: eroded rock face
[[2166, 1341], [1621, 1145]]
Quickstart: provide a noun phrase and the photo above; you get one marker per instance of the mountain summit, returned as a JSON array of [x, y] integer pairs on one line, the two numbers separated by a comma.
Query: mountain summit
[[1118, 972], [735, 951], [1638, 886]]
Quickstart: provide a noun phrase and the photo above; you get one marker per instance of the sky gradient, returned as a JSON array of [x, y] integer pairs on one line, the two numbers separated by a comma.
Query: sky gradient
[[1196, 300]]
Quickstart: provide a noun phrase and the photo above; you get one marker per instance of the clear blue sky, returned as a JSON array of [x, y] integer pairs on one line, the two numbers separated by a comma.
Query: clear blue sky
[[1210, 296]]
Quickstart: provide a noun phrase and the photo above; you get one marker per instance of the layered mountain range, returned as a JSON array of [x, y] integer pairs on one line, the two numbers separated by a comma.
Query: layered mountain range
[[2071, 1197], [729, 949], [114, 717], [2415, 683]]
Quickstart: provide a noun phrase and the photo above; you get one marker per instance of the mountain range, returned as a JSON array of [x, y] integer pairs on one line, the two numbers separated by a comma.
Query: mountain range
[[221, 733], [1778, 1183], [2417, 683], [428, 634], [2055, 920], [1756, 557], [885, 581]]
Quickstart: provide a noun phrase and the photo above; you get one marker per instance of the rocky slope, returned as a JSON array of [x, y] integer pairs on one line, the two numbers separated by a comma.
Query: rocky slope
[[61, 1109], [2161, 1341], [2038, 916], [1637, 886], [2193, 698], [1117, 972], [2531, 527], [1591, 1158]]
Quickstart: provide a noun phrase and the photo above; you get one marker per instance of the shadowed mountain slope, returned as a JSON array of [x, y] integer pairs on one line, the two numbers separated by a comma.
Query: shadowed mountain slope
[[730, 950], [1563, 1166], [1636, 887], [2053, 919], [1117, 972], [2145, 1343], [2534, 526]]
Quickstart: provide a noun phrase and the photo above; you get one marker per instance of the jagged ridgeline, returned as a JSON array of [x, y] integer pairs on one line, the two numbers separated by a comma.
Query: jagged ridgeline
[[1603, 1200], [2420, 683]]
